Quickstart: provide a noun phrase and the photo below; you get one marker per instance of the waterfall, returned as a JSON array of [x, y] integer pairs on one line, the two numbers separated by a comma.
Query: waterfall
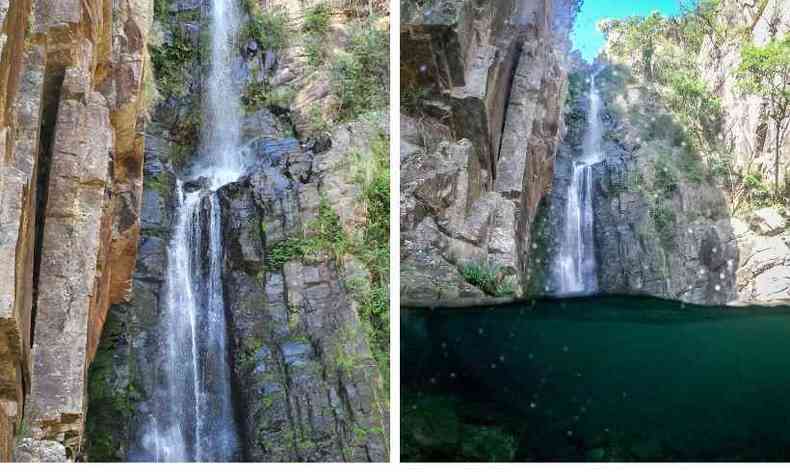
[[575, 270], [192, 415]]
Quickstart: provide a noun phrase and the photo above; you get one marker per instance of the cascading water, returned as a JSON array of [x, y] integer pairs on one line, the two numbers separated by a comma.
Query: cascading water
[[575, 270], [192, 417]]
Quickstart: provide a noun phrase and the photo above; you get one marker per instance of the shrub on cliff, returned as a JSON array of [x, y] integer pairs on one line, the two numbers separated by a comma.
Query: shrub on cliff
[[269, 28], [488, 278], [360, 77]]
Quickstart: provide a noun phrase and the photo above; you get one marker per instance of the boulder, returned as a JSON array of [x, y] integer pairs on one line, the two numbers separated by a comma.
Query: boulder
[[767, 221]]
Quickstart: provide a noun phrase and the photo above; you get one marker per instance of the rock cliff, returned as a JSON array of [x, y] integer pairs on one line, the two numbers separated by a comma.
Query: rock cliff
[[483, 86], [72, 111], [667, 223]]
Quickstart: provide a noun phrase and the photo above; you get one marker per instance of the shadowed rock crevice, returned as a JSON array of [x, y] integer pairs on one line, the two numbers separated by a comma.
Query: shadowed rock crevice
[[53, 84]]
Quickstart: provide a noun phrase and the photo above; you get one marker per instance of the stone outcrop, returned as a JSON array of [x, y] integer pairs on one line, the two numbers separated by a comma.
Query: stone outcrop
[[477, 154], [71, 116]]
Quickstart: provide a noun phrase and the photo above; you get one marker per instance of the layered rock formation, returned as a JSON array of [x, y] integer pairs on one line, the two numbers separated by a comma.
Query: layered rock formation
[[308, 382], [478, 147], [72, 111]]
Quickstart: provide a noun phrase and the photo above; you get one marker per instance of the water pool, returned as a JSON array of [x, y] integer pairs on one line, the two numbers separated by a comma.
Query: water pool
[[596, 379]]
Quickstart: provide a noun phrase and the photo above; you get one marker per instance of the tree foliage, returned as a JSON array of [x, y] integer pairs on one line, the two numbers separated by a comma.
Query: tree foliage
[[765, 72]]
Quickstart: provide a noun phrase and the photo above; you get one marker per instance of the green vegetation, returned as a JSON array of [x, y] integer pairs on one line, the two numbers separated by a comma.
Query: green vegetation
[[326, 238], [765, 72], [373, 174], [540, 250], [443, 428], [360, 76], [314, 50], [316, 19], [269, 27], [489, 278], [315, 29], [171, 62], [412, 98], [696, 107], [575, 116], [259, 94], [663, 53], [110, 399], [371, 246]]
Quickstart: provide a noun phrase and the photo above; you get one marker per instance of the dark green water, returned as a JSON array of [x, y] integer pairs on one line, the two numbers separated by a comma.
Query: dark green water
[[596, 379]]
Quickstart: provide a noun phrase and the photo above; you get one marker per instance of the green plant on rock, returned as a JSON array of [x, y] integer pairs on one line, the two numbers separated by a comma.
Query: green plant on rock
[[316, 18], [664, 222], [412, 98], [269, 28], [697, 108], [360, 76], [372, 173], [318, 123], [327, 237], [283, 252], [259, 94], [314, 50], [489, 278], [170, 61], [666, 179]]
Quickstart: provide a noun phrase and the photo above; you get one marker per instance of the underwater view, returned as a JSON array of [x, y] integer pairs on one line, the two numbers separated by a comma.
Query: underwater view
[[595, 379]]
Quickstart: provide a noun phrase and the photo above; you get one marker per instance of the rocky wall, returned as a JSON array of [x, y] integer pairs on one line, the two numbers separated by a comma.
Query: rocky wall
[[71, 82], [477, 153]]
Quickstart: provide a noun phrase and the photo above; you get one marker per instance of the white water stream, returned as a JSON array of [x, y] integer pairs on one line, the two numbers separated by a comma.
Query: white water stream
[[193, 417], [575, 270]]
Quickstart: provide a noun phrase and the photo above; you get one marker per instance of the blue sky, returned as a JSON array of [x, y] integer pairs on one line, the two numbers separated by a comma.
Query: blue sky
[[587, 38]]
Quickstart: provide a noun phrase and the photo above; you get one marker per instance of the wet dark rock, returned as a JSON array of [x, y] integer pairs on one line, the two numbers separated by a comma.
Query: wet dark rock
[[269, 62], [289, 327], [272, 151], [195, 185], [152, 258], [319, 143], [262, 124], [252, 48], [300, 166], [178, 6]]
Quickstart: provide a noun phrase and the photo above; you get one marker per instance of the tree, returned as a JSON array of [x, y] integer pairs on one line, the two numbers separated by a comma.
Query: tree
[[765, 72], [699, 110], [635, 38], [699, 21]]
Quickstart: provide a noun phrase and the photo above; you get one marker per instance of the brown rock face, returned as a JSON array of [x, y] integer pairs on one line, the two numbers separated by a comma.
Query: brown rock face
[[477, 157], [71, 115]]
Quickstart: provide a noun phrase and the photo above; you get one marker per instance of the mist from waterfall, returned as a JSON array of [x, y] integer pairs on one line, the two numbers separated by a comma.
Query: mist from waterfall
[[192, 415], [575, 270]]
